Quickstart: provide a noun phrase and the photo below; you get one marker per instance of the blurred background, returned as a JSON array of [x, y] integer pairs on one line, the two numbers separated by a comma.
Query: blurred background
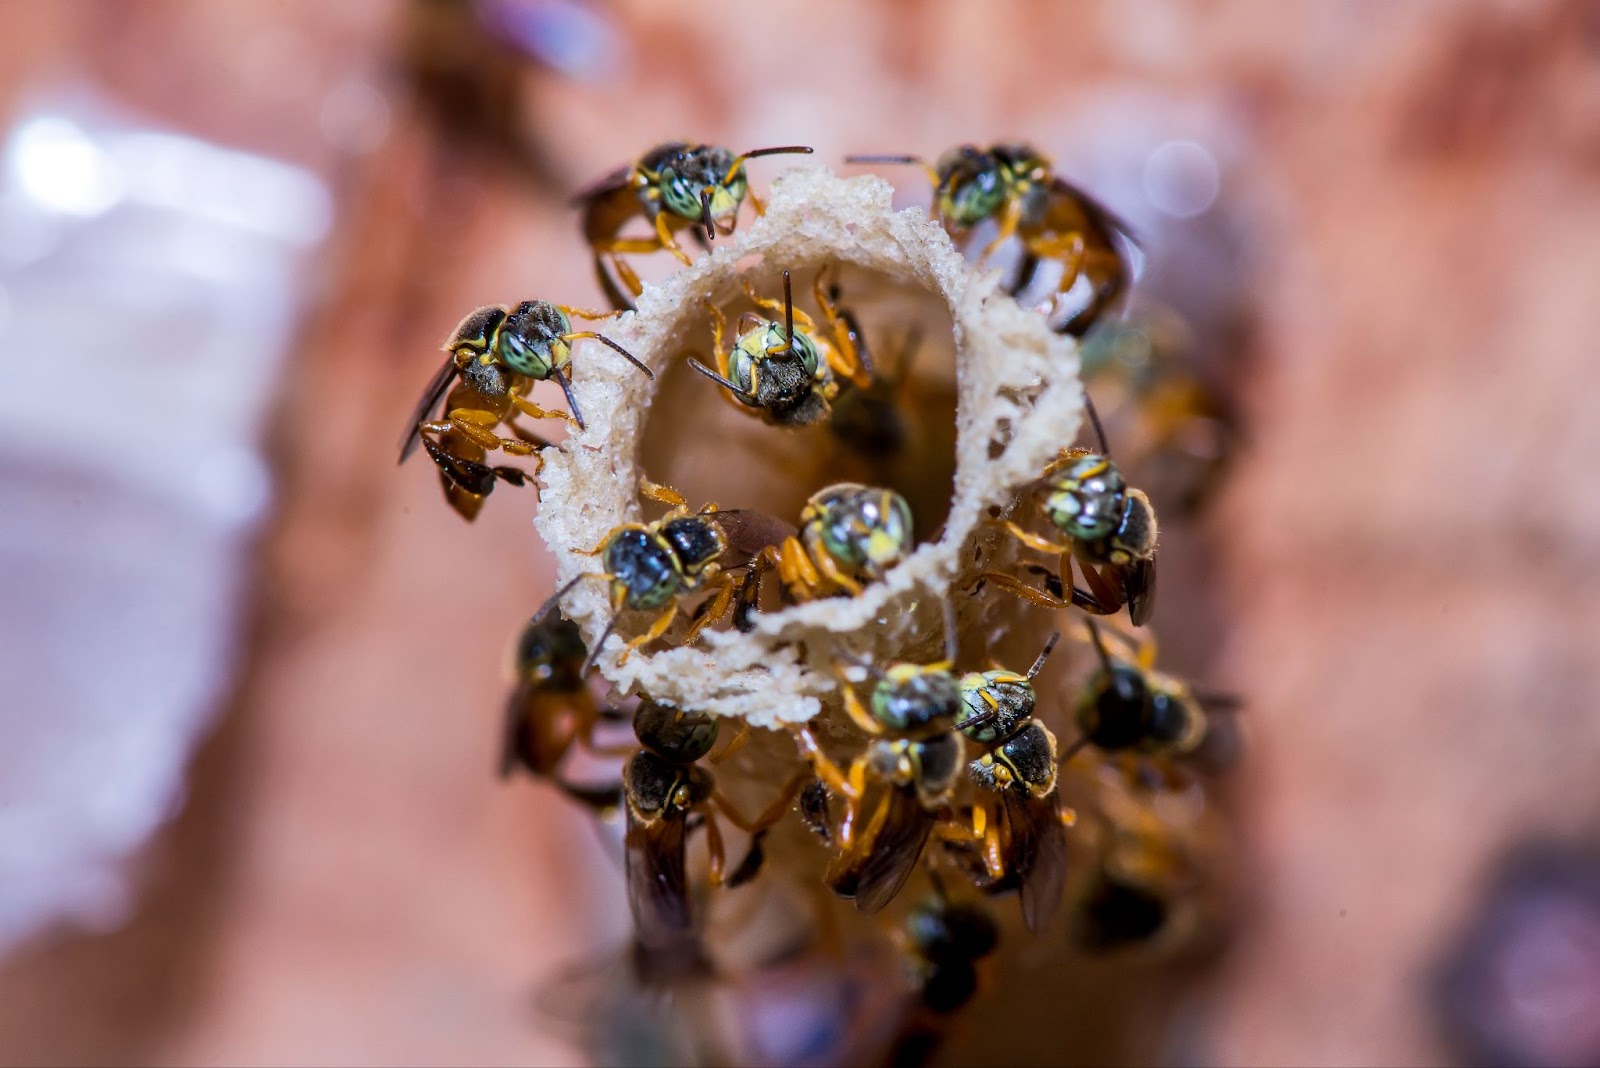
[[252, 671]]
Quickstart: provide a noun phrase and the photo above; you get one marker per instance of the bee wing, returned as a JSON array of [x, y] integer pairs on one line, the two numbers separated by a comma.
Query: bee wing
[[1139, 590], [750, 531], [1038, 855], [430, 396], [1113, 224], [617, 179], [658, 884], [882, 859]]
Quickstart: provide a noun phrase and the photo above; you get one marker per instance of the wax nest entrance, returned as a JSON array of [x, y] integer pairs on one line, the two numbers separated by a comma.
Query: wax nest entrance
[[1017, 399]]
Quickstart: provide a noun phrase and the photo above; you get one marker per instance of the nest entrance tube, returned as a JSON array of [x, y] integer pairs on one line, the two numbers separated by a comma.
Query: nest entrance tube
[[1018, 401]]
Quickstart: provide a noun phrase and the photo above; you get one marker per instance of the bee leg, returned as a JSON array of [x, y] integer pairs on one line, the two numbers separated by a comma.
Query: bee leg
[[714, 847], [740, 740], [830, 570], [755, 203], [1067, 456], [1008, 229], [534, 411], [1034, 541], [857, 711], [1104, 596], [530, 437], [843, 356], [473, 424], [994, 858], [1066, 249], [658, 492], [712, 610], [579, 313], [607, 281], [669, 242], [657, 629], [1012, 584], [609, 535], [796, 571]]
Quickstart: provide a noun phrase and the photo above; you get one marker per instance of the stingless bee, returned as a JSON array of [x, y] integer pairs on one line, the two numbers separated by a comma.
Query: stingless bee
[[849, 535], [1128, 705], [494, 356], [1022, 839], [914, 758], [674, 186], [663, 786], [651, 566], [1017, 187], [1111, 531], [789, 376]]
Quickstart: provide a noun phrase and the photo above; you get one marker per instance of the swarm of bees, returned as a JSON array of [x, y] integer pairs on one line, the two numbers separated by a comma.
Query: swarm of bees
[[935, 785]]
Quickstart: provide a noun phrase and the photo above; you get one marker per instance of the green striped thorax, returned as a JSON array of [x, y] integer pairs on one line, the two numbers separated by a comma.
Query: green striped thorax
[[682, 176], [1087, 498], [994, 703], [770, 370], [867, 529]]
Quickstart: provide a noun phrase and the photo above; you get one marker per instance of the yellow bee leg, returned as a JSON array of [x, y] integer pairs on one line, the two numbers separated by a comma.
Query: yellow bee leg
[[668, 241], [579, 313], [736, 743], [755, 202], [714, 848], [858, 713], [534, 411], [1034, 541], [657, 629], [830, 570], [796, 571], [1008, 229], [993, 853], [852, 807], [718, 608], [823, 767], [1012, 584], [607, 539], [1066, 249], [658, 492], [624, 271]]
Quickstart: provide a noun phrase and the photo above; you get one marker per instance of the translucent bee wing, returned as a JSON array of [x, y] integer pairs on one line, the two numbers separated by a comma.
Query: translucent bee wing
[[1139, 589], [658, 885], [1038, 855], [749, 531], [431, 395], [878, 864]]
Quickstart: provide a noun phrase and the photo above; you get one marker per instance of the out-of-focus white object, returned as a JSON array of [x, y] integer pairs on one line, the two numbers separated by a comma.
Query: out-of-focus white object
[[149, 284]]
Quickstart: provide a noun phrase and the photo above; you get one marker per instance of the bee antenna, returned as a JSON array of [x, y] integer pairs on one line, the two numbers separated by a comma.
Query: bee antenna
[[1099, 428], [554, 599], [1044, 654], [1099, 645], [588, 661], [572, 402], [719, 380], [793, 150], [788, 311], [630, 357], [705, 214], [1072, 750]]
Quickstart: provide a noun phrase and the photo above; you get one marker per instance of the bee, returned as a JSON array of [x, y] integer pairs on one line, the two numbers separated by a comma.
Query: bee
[[789, 376], [946, 939], [849, 535], [1024, 840], [651, 566], [551, 708], [675, 186], [1111, 531], [1143, 879], [1017, 187], [872, 421], [914, 757], [1129, 706], [494, 356], [663, 786]]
